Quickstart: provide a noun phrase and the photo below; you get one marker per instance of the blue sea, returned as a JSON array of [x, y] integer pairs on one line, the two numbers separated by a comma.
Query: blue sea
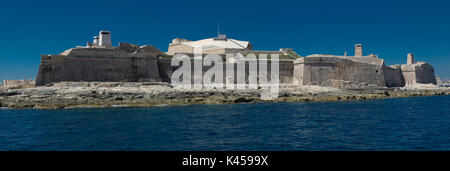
[[416, 123]]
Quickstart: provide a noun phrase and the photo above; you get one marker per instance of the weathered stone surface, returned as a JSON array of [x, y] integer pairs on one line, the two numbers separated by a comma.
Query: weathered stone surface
[[119, 64], [339, 71], [98, 69], [359, 72], [418, 73], [111, 94], [393, 76]]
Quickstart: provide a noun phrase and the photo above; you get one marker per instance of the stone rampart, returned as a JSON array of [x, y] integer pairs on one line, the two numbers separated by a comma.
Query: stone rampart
[[340, 72], [420, 72]]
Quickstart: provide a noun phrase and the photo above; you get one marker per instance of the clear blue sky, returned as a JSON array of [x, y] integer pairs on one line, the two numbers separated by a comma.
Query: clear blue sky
[[388, 28]]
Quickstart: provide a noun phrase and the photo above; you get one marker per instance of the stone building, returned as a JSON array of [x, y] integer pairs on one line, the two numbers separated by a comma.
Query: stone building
[[218, 45], [101, 41]]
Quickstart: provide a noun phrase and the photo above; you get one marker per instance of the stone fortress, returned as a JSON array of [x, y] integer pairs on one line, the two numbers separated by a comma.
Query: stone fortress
[[100, 61]]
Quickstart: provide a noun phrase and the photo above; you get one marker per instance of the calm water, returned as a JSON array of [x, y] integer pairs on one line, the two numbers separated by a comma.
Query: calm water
[[419, 123]]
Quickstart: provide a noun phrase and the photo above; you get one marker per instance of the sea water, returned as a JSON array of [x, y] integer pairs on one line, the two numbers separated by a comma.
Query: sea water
[[415, 123]]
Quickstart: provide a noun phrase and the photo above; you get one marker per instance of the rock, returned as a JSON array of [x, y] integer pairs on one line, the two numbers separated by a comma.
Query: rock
[[243, 100], [82, 94], [10, 93]]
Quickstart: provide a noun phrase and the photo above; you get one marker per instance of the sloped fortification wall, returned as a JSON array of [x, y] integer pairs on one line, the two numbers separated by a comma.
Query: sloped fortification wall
[[57, 68], [341, 72], [425, 74], [420, 72], [286, 68], [393, 76]]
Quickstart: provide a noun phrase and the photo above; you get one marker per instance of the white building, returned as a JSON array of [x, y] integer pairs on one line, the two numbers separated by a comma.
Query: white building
[[103, 40], [218, 45]]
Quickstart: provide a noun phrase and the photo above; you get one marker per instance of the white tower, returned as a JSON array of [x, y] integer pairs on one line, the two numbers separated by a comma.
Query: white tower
[[105, 39]]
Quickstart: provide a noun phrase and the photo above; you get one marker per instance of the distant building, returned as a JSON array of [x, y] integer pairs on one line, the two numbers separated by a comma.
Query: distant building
[[18, 83], [101, 41]]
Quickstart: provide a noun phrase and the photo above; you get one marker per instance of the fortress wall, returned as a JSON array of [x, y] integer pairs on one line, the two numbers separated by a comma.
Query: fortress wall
[[409, 73], [338, 72], [425, 74], [57, 68], [285, 70], [298, 71], [97, 52], [165, 69], [394, 77], [45, 73], [97, 69], [180, 48], [422, 73]]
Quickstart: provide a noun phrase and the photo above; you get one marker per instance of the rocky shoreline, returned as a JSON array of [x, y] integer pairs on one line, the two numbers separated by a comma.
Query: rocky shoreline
[[120, 94]]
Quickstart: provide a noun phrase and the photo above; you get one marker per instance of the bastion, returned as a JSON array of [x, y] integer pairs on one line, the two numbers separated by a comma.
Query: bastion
[[360, 72]]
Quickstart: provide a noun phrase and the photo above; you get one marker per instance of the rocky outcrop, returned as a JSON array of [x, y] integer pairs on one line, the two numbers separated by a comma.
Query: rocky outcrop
[[111, 94]]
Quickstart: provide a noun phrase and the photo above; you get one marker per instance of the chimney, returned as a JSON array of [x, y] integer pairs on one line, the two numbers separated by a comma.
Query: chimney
[[105, 39], [410, 59], [358, 50]]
